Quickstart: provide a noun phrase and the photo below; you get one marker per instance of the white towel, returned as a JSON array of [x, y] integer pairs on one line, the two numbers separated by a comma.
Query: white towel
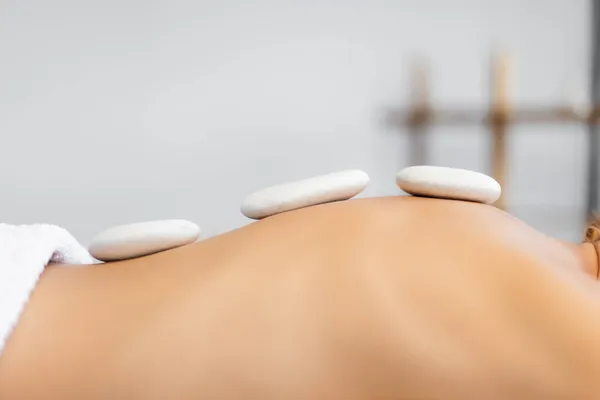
[[25, 250]]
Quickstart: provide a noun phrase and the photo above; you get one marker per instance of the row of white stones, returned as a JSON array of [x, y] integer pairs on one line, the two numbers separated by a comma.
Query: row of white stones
[[140, 239]]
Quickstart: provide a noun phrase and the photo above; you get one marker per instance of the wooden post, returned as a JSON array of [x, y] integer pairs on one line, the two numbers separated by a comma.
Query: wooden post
[[420, 113], [500, 115], [593, 178]]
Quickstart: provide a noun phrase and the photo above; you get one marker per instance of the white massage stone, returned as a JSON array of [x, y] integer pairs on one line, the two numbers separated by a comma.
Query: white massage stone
[[289, 196], [449, 183], [139, 239]]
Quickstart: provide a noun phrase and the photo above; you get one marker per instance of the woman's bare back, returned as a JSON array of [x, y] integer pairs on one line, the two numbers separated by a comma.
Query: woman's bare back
[[374, 298]]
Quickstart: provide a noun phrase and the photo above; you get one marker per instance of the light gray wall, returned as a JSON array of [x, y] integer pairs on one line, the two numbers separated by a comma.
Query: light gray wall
[[118, 111]]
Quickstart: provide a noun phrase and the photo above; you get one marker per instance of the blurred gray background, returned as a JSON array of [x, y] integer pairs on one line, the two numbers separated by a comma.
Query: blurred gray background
[[121, 111]]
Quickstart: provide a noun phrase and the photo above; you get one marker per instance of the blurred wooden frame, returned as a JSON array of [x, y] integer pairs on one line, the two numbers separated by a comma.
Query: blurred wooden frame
[[499, 116]]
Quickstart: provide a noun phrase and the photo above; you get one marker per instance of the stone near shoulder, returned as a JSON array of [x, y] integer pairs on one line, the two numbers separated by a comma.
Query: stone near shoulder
[[449, 183]]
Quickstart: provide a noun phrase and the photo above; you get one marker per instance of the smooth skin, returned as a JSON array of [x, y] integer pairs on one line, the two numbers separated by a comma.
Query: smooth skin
[[399, 298]]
